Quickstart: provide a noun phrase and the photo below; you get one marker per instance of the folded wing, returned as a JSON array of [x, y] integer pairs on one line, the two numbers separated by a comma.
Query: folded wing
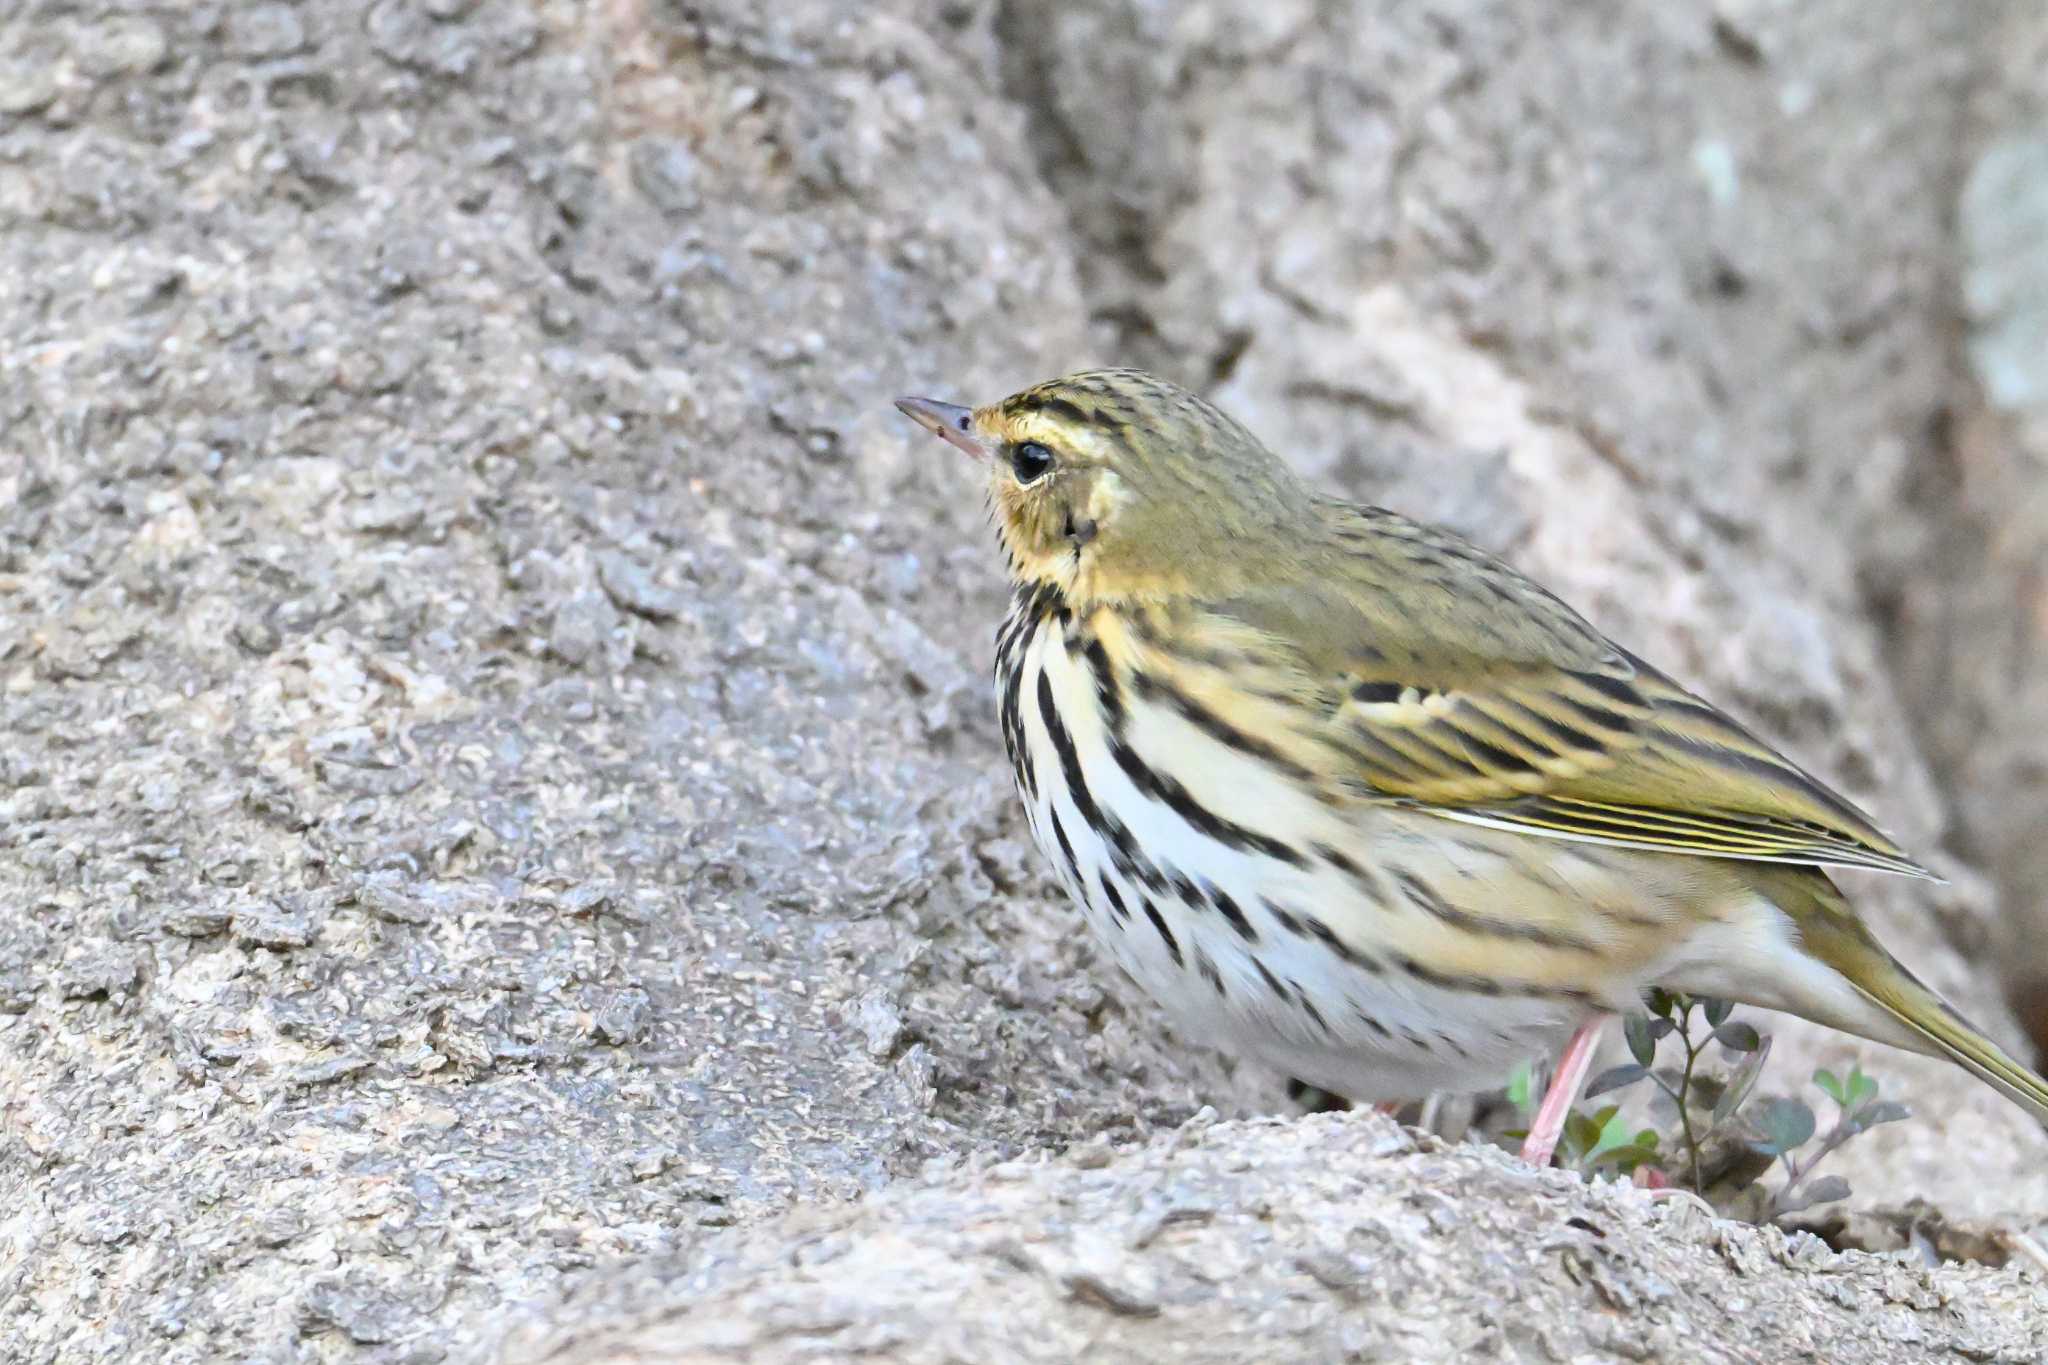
[[1476, 695]]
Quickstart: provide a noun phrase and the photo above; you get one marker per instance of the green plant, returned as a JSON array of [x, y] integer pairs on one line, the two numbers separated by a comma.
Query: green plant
[[1784, 1125], [1601, 1141], [1723, 1144]]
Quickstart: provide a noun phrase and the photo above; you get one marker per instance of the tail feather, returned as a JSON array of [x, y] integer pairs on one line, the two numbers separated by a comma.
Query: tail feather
[[1952, 1036], [1831, 933]]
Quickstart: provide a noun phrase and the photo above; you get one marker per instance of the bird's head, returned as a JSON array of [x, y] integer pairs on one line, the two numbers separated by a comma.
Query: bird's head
[[1115, 485]]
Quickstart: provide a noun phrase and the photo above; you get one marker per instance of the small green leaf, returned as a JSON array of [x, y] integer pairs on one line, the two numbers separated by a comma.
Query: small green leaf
[[1613, 1133], [1642, 1044], [1580, 1133], [1886, 1111], [1614, 1078], [1662, 1003], [1706, 1091], [1626, 1159], [1796, 1198], [1782, 1124], [1522, 1087], [1862, 1089], [1831, 1087], [1738, 1037], [1718, 1012], [1663, 1028]]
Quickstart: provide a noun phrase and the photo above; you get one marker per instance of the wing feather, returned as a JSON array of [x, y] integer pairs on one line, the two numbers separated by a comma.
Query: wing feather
[[1531, 720]]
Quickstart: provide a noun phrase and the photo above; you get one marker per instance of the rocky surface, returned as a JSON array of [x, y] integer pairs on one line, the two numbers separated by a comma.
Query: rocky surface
[[497, 780], [1967, 610], [1329, 1238]]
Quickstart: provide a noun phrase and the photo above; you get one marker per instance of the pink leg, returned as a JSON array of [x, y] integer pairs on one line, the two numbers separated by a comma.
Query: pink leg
[[1564, 1088]]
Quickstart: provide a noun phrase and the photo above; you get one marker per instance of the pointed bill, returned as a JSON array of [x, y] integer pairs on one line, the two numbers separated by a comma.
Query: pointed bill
[[948, 421]]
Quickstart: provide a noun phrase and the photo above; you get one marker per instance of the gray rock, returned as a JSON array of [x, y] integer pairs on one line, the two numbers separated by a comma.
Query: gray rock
[[269, 924], [1329, 1238], [99, 970], [622, 1016], [632, 586], [497, 781], [1965, 600], [2005, 283]]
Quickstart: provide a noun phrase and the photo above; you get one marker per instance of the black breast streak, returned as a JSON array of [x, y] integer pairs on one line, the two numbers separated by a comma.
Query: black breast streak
[[1273, 982], [1285, 918], [1070, 757], [1128, 858], [1116, 901], [1169, 792], [1232, 914], [1347, 954], [1107, 693], [1308, 1007], [1165, 934], [1017, 622], [1366, 883], [1222, 731], [1059, 834], [1011, 717]]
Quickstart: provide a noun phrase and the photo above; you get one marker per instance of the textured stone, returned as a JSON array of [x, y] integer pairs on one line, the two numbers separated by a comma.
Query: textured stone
[[497, 782], [1328, 1238], [1967, 609]]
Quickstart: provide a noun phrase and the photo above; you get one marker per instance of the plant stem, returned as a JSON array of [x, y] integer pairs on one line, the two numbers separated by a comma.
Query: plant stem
[[1836, 1136], [1692, 1145]]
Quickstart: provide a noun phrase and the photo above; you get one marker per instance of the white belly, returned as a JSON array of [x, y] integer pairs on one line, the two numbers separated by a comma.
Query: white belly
[[1248, 948]]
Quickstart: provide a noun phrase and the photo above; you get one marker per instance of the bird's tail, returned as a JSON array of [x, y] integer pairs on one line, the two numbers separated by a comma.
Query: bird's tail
[[1918, 1018]]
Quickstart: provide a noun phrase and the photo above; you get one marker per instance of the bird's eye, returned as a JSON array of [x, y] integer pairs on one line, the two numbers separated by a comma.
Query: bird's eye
[[1030, 461]]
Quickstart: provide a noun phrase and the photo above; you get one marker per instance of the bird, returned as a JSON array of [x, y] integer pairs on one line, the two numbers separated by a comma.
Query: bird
[[1349, 796]]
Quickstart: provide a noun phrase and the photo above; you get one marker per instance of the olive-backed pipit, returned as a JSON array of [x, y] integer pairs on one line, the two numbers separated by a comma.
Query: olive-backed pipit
[[1353, 797]]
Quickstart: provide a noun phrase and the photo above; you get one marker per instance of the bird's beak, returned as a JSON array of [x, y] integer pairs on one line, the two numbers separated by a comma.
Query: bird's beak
[[948, 421]]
